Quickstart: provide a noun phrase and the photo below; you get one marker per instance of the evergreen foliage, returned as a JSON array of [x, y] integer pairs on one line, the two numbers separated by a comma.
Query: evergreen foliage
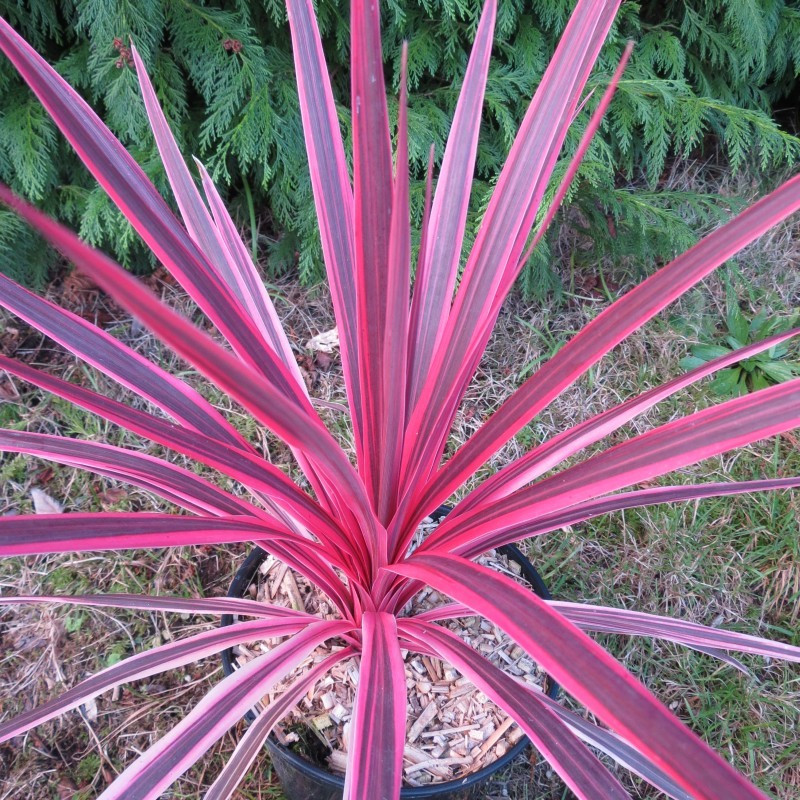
[[704, 73]]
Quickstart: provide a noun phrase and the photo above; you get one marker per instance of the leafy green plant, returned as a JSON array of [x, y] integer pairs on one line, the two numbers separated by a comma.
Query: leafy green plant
[[704, 72], [407, 361], [759, 370]]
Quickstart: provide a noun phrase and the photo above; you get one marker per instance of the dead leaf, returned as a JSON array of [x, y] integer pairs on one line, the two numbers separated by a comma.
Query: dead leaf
[[44, 504], [77, 289], [45, 475], [323, 361], [9, 341], [89, 708], [324, 342], [111, 497], [66, 788]]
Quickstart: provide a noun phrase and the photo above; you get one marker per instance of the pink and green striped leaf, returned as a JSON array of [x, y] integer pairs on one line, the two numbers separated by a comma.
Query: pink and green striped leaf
[[625, 500], [503, 231], [119, 362], [244, 467], [241, 465], [678, 444], [198, 222], [601, 335], [152, 662], [603, 619], [617, 748], [560, 447], [177, 605], [586, 671], [250, 746], [216, 236], [251, 286], [595, 508], [604, 740], [269, 405], [600, 619], [259, 305], [392, 402], [378, 724], [150, 774], [440, 252], [333, 195], [583, 773], [223, 247], [129, 188], [574, 165], [419, 278], [176, 484], [29, 534], [372, 198]]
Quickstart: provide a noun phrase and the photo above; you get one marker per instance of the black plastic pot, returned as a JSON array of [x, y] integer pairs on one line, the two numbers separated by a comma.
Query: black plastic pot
[[303, 780]]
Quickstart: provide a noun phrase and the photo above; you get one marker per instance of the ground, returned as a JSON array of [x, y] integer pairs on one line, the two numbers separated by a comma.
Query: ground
[[731, 561]]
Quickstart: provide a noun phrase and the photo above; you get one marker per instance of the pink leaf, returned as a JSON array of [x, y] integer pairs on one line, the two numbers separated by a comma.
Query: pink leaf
[[601, 335], [372, 195], [333, 195], [178, 605], [151, 662], [440, 252], [174, 483], [580, 769], [243, 466], [678, 444], [561, 447], [378, 726], [63, 533], [502, 233], [250, 746], [586, 671], [151, 773], [118, 361], [391, 362], [269, 405]]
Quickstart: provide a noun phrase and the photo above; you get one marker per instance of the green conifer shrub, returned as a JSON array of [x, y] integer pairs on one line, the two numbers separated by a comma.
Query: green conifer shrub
[[705, 74]]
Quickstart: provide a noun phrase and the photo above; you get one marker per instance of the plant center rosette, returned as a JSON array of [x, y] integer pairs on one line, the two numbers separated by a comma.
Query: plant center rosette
[[452, 728]]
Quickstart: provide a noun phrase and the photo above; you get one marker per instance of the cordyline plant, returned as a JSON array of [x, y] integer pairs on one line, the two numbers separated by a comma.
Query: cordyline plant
[[407, 363]]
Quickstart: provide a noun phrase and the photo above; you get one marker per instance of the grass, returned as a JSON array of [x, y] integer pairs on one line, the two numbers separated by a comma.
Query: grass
[[731, 561]]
